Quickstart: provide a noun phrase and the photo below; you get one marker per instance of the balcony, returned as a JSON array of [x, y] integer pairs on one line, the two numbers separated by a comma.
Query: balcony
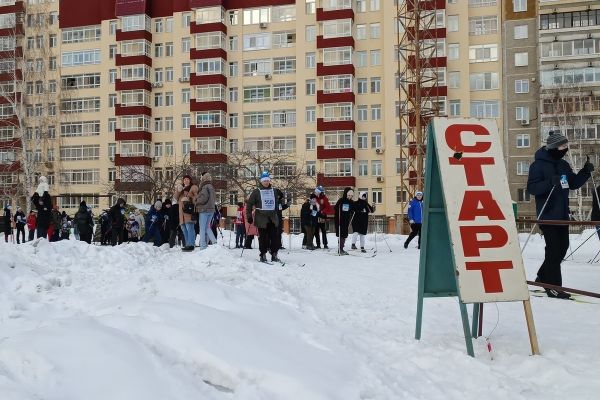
[[328, 154], [326, 15], [343, 125], [428, 91], [11, 144], [133, 135], [207, 132], [342, 41], [208, 53], [439, 33], [432, 62], [196, 105], [428, 5], [133, 85], [132, 35], [208, 158], [132, 186], [341, 69], [212, 27], [121, 60], [208, 79], [132, 110], [9, 54], [121, 161], [17, 8], [336, 181], [12, 166], [343, 97]]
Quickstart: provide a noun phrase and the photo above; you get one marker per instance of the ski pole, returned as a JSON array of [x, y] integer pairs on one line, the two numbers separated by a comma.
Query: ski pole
[[593, 260], [230, 232], [588, 238], [538, 218]]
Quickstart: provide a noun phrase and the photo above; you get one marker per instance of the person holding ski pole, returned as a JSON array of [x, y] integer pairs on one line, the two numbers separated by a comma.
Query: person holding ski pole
[[360, 221], [550, 179], [415, 218], [343, 212]]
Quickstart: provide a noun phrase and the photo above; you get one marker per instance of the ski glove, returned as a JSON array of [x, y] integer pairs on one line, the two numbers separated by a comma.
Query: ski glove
[[411, 221], [153, 218], [588, 167], [250, 220], [556, 180]]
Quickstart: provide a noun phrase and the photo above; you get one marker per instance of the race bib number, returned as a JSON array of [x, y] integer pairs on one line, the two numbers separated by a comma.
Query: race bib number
[[267, 197], [345, 207], [564, 182], [314, 213]]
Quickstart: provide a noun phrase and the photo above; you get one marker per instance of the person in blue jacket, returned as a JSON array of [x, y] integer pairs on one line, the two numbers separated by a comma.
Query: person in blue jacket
[[154, 222], [415, 218], [550, 179]]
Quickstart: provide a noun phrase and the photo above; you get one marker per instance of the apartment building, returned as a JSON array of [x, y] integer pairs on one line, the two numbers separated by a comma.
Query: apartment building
[[569, 74], [141, 83]]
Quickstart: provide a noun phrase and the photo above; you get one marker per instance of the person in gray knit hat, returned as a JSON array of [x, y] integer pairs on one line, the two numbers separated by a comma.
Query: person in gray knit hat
[[550, 179]]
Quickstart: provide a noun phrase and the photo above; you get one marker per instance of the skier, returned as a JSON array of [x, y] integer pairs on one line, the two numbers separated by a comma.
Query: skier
[[84, 223], [65, 226], [309, 215], [31, 224], [550, 179], [105, 231], [116, 217], [205, 205], [415, 218], [326, 210], [360, 220], [344, 208], [303, 223], [7, 222], [185, 194], [20, 224], [43, 204], [263, 201], [240, 228], [154, 222]]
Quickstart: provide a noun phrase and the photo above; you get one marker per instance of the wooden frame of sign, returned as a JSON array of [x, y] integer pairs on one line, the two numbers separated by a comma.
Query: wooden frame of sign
[[469, 243]]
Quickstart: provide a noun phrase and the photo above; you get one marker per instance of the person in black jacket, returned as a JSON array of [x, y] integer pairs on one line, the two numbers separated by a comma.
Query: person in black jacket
[[43, 205], [596, 208], [550, 179], [309, 215], [20, 222], [360, 220], [344, 209], [84, 223], [116, 216], [303, 223], [7, 223]]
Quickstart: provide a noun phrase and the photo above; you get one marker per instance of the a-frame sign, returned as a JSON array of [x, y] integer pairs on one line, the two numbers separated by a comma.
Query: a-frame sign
[[469, 243]]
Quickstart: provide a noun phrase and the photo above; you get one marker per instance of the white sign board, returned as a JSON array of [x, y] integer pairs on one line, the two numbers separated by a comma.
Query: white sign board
[[479, 210]]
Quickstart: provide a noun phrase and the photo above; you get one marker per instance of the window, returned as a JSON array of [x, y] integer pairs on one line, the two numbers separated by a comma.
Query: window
[[311, 87], [453, 23], [523, 167], [209, 15], [375, 5], [454, 108], [375, 112], [375, 30], [376, 167], [453, 51], [362, 113], [376, 140], [284, 91], [185, 121], [80, 35], [186, 146], [158, 25], [169, 49], [337, 112], [233, 43], [483, 53], [522, 114], [375, 85], [112, 75], [362, 86], [74, 129], [361, 58], [169, 74], [138, 22], [363, 168], [158, 124], [522, 86], [337, 140], [377, 196], [454, 79], [361, 6], [210, 40], [112, 100], [311, 168], [158, 99], [210, 119], [523, 140], [521, 32], [337, 28], [362, 141], [82, 57], [521, 59], [158, 50], [375, 57], [310, 114], [255, 94], [284, 65], [485, 109], [210, 66], [135, 72], [80, 81], [523, 195], [310, 60], [79, 177], [168, 99], [233, 95], [169, 24], [284, 118], [311, 141], [484, 81], [339, 167], [169, 125], [337, 56], [257, 41], [233, 68], [80, 105], [361, 32], [519, 5], [80, 152], [186, 19], [310, 33], [337, 83], [233, 120], [185, 96], [484, 25], [257, 119]]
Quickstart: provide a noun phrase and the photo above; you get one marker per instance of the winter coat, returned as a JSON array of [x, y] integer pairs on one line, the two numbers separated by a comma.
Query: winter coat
[[360, 220], [31, 222], [133, 228], [173, 214], [153, 219], [184, 195], [116, 216], [310, 214], [254, 203], [324, 206], [139, 218], [206, 199], [56, 220], [344, 208], [415, 210], [251, 229], [7, 220], [83, 221], [20, 219], [539, 183], [595, 209], [43, 205], [239, 218]]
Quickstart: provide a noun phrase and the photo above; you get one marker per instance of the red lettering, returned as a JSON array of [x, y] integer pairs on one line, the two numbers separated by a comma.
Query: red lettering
[[470, 206], [490, 272], [472, 245], [454, 138], [473, 168]]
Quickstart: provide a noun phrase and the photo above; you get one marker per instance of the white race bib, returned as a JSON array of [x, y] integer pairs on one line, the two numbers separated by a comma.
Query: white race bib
[[564, 182], [345, 207], [267, 197]]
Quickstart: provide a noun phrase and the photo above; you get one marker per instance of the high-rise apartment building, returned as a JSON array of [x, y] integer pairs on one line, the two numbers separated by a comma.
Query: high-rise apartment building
[[136, 85]]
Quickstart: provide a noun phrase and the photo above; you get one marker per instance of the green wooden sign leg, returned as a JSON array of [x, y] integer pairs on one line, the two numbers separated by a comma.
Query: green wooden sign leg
[[475, 322], [465, 321]]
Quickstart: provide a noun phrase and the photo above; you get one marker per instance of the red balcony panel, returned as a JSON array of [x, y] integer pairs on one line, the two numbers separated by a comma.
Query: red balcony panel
[[16, 53], [132, 186], [413, 148], [143, 34], [204, 28], [205, 3], [207, 132], [233, 4], [11, 144], [16, 31], [133, 135], [133, 85], [336, 181], [121, 161], [133, 110], [412, 120], [208, 53], [131, 7], [18, 7], [327, 154], [10, 98], [343, 69], [334, 14], [439, 33], [12, 167], [323, 43], [335, 125], [12, 121], [346, 97], [211, 158], [426, 4], [220, 184], [208, 105], [208, 79], [75, 13], [433, 62], [428, 91], [9, 76], [132, 60]]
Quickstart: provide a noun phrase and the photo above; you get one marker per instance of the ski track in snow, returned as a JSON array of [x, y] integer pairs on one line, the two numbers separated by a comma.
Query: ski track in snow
[[140, 322]]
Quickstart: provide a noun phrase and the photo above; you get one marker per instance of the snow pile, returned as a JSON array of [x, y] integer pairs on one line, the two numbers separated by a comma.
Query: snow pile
[[139, 322]]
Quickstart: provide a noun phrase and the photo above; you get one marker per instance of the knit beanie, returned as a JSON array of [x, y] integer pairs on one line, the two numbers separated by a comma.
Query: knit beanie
[[158, 205], [555, 140]]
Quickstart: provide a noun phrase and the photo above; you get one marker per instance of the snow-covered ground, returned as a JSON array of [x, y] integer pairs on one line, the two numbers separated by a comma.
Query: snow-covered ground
[[135, 322]]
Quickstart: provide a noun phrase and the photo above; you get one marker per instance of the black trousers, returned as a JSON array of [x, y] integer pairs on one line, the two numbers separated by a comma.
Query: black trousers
[[20, 232], [31, 234], [42, 232], [268, 239], [115, 236], [322, 227], [415, 230], [557, 245]]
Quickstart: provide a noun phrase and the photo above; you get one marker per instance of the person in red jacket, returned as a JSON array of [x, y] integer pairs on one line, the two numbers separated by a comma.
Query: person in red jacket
[[31, 224], [326, 210]]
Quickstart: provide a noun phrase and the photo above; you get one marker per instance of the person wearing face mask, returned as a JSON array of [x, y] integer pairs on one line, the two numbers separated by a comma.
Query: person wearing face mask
[[343, 211], [550, 179], [360, 220], [415, 218]]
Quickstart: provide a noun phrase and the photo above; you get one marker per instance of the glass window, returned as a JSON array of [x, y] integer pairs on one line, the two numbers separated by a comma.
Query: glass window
[[519, 5], [521, 59], [453, 23], [521, 32], [522, 86]]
